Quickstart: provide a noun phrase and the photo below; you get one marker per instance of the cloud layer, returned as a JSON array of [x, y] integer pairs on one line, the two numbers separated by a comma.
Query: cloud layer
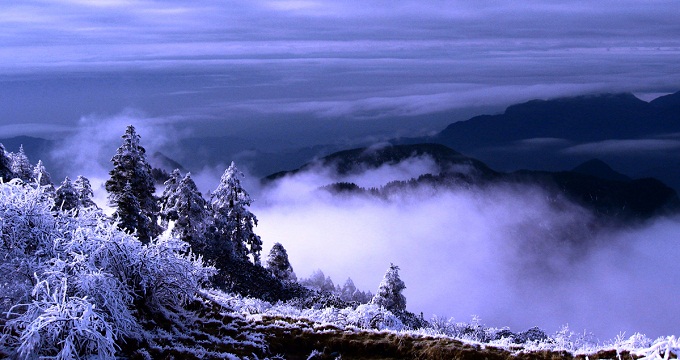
[[217, 61], [507, 254]]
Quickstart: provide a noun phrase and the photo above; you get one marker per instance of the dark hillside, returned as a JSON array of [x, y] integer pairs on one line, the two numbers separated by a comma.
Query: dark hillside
[[361, 159], [593, 184], [599, 169]]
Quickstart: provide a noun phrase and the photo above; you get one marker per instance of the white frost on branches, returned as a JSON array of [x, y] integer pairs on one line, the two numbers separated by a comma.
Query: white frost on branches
[[88, 278]]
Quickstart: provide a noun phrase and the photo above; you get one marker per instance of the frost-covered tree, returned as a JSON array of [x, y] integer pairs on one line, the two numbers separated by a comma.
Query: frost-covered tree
[[232, 220], [185, 207], [389, 293], [21, 166], [278, 264], [84, 191], [166, 201], [5, 164], [66, 196], [130, 167], [41, 176], [129, 214]]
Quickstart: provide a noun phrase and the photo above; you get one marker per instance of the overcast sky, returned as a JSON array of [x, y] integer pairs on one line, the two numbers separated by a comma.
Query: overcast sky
[[217, 65]]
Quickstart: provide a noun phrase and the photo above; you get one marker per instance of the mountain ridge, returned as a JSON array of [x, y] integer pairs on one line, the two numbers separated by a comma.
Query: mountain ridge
[[611, 196]]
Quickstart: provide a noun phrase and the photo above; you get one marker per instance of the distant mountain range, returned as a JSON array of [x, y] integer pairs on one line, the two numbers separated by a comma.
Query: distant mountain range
[[639, 138], [594, 185]]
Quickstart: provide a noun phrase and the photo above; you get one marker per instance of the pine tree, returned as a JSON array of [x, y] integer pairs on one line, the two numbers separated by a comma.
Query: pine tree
[[167, 211], [5, 164], [21, 166], [84, 190], [389, 293], [278, 264], [319, 281], [130, 168], [187, 208], [41, 176], [232, 220], [66, 196], [128, 212], [348, 290]]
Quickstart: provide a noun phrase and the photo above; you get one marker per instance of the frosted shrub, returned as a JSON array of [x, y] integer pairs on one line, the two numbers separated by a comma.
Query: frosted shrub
[[636, 341], [63, 326], [371, 316], [167, 277], [89, 278], [565, 339], [27, 229], [26, 224]]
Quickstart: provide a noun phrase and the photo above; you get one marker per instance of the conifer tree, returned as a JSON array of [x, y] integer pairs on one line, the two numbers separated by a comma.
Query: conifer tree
[[130, 168], [21, 166], [319, 281], [84, 191], [389, 293], [232, 220], [5, 164], [166, 201], [347, 291], [66, 196], [129, 214], [278, 264], [187, 208]]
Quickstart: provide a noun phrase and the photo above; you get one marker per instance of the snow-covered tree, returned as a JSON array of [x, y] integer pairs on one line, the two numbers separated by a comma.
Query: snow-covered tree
[[167, 199], [5, 164], [21, 166], [186, 208], [130, 167], [278, 264], [66, 196], [129, 215], [84, 191], [232, 220], [41, 176], [389, 293]]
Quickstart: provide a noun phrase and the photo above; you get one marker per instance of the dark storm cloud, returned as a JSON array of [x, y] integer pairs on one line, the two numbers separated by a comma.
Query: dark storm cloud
[[335, 59]]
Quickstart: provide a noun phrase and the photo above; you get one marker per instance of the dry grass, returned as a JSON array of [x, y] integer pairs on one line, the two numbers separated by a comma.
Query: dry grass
[[213, 332]]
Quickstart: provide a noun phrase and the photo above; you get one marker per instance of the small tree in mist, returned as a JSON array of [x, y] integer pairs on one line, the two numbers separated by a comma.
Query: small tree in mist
[[349, 292], [84, 191], [130, 168], [21, 166], [320, 282], [66, 196], [233, 222], [389, 291], [278, 264]]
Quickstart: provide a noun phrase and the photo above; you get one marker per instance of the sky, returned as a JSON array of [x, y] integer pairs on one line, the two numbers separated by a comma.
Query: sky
[[265, 69]]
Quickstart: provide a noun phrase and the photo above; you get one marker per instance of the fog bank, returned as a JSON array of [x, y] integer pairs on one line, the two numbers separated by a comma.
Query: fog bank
[[510, 255]]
